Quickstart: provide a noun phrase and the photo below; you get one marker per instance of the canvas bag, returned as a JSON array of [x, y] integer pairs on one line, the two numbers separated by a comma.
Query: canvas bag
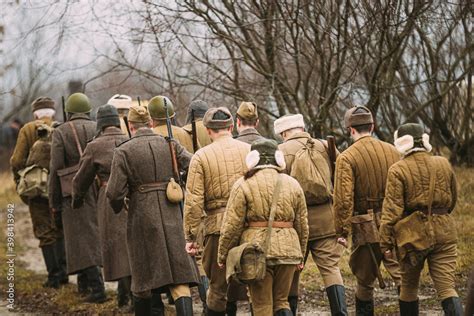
[[415, 231], [247, 263], [33, 180], [67, 174], [314, 177], [365, 228]]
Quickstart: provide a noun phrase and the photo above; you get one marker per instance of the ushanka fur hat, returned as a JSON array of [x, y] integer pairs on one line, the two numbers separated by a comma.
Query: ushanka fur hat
[[288, 122], [264, 153], [411, 137]]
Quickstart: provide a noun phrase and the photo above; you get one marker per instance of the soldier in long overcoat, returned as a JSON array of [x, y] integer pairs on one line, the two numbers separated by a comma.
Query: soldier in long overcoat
[[421, 186], [95, 165], [141, 170], [81, 229], [361, 174], [50, 238], [322, 244]]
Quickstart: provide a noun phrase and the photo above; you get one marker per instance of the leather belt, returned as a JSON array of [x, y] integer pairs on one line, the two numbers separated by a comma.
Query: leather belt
[[434, 211], [274, 225], [149, 187], [216, 211]]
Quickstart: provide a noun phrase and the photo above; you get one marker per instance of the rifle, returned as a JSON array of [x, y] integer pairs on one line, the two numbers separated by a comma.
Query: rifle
[[139, 102], [332, 155], [379, 274], [125, 120], [64, 109], [174, 160], [194, 131]]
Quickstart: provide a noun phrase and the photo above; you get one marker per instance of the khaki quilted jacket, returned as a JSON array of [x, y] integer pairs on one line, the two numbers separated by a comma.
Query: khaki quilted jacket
[[407, 191], [180, 135], [212, 173], [202, 136], [250, 201], [360, 178]]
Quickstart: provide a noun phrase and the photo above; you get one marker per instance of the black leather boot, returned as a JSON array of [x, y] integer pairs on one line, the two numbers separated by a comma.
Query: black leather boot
[[184, 306], [61, 257], [210, 312], [157, 306], [452, 306], [96, 283], [364, 308], [202, 289], [82, 283], [293, 301], [283, 312], [231, 308], [123, 291], [408, 308], [52, 266], [142, 306], [337, 300]]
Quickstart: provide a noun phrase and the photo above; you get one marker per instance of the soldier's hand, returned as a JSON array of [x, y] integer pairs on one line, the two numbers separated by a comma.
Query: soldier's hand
[[342, 241], [77, 203], [221, 265], [300, 266], [388, 255], [192, 248]]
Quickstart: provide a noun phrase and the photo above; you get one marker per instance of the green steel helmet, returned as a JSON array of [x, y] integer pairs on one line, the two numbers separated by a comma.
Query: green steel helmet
[[78, 103], [156, 107]]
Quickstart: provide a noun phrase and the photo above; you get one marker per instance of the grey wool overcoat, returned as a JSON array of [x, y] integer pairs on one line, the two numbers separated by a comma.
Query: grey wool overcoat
[[81, 229], [95, 166], [155, 235]]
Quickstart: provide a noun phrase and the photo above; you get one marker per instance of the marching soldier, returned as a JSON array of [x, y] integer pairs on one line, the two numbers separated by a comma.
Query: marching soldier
[[247, 122], [361, 173], [142, 169], [325, 250], [122, 103], [212, 173], [157, 110], [196, 110], [416, 216], [50, 237], [261, 196], [95, 164], [81, 231]]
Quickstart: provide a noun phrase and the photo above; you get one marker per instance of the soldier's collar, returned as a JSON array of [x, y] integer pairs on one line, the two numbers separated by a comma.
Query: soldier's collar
[[300, 135], [80, 116], [248, 131], [113, 131], [144, 131]]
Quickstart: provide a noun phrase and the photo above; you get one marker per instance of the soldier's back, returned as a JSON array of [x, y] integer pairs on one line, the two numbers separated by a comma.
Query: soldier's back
[[370, 160], [85, 129]]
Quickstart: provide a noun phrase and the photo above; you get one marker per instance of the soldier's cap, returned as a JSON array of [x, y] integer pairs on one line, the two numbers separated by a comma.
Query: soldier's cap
[[288, 122], [247, 111], [107, 115], [362, 117], [199, 107], [138, 114], [120, 101], [264, 152], [411, 137], [42, 103], [210, 120]]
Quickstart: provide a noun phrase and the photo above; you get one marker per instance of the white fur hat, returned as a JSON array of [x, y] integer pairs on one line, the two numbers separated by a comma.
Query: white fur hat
[[120, 101], [287, 122], [405, 136]]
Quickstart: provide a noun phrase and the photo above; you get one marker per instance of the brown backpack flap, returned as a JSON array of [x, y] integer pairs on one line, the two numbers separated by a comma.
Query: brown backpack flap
[[67, 174], [415, 231], [247, 263]]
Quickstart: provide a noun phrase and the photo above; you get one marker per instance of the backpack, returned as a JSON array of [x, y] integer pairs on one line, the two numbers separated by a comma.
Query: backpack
[[34, 178], [311, 169]]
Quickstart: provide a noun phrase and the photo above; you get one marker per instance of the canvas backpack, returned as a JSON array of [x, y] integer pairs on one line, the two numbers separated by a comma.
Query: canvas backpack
[[311, 169], [34, 178]]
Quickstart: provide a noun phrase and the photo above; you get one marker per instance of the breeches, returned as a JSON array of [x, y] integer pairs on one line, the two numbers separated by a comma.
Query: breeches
[[176, 290], [271, 294], [43, 227], [441, 265]]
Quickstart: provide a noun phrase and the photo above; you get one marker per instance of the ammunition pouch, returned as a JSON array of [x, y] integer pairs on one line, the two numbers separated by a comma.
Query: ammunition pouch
[[365, 228], [413, 233], [246, 263]]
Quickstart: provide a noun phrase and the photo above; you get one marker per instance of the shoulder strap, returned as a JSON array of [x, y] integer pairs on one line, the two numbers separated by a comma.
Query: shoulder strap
[[431, 191], [276, 195], [76, 138]]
